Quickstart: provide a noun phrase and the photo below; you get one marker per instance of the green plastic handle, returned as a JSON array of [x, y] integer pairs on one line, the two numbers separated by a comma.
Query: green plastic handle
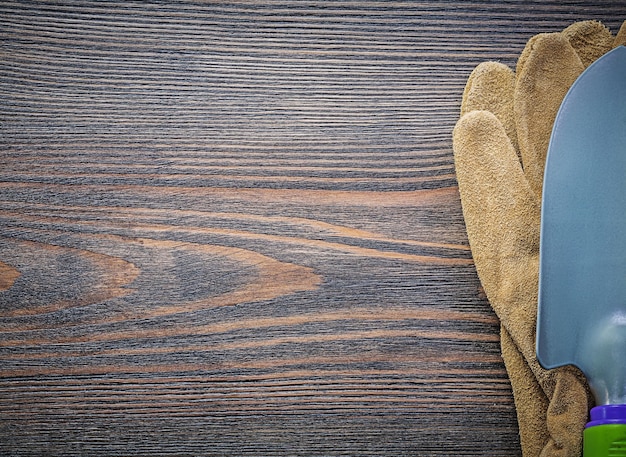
[[607, 440]]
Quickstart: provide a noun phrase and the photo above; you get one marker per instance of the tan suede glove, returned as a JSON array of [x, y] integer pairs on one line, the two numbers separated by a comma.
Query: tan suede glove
[[500, 146]]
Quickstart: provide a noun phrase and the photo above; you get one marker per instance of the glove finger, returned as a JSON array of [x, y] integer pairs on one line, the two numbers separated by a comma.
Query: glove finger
[[502, 219], [620, 38], [531, 403], [567, 413], [590, 40], [490, 88], [552, 405], [545, 71]]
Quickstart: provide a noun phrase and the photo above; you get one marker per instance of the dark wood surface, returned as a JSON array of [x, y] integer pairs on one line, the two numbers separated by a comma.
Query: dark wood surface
[[233, 229]]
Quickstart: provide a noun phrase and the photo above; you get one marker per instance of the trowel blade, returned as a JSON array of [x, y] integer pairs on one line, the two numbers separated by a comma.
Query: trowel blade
[[582, 277]]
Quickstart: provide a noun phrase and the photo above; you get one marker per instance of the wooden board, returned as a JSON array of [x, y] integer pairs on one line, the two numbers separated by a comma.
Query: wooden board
[[233, 229]]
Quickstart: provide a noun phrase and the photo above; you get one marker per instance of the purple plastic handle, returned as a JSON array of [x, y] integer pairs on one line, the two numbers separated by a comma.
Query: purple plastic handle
[[607, 414]]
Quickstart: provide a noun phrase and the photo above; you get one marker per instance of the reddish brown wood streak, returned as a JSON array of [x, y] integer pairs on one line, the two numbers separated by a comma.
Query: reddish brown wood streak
[[389, 199], [291, 321], [8, 275]]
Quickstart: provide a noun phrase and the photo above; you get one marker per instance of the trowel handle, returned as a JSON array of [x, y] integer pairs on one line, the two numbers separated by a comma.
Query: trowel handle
[[605, 434]]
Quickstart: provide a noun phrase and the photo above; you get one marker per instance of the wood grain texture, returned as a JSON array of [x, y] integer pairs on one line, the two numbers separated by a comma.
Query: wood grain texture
[[233, 229]]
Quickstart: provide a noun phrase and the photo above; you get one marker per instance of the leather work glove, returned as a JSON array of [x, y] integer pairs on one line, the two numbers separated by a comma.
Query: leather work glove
[[500, 144]]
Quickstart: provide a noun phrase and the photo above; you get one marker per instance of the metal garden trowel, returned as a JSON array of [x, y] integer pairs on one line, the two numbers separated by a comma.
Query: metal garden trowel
[[582, 273]]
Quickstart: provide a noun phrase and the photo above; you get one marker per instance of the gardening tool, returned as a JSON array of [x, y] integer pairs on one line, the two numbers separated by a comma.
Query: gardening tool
[[582, 278]]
